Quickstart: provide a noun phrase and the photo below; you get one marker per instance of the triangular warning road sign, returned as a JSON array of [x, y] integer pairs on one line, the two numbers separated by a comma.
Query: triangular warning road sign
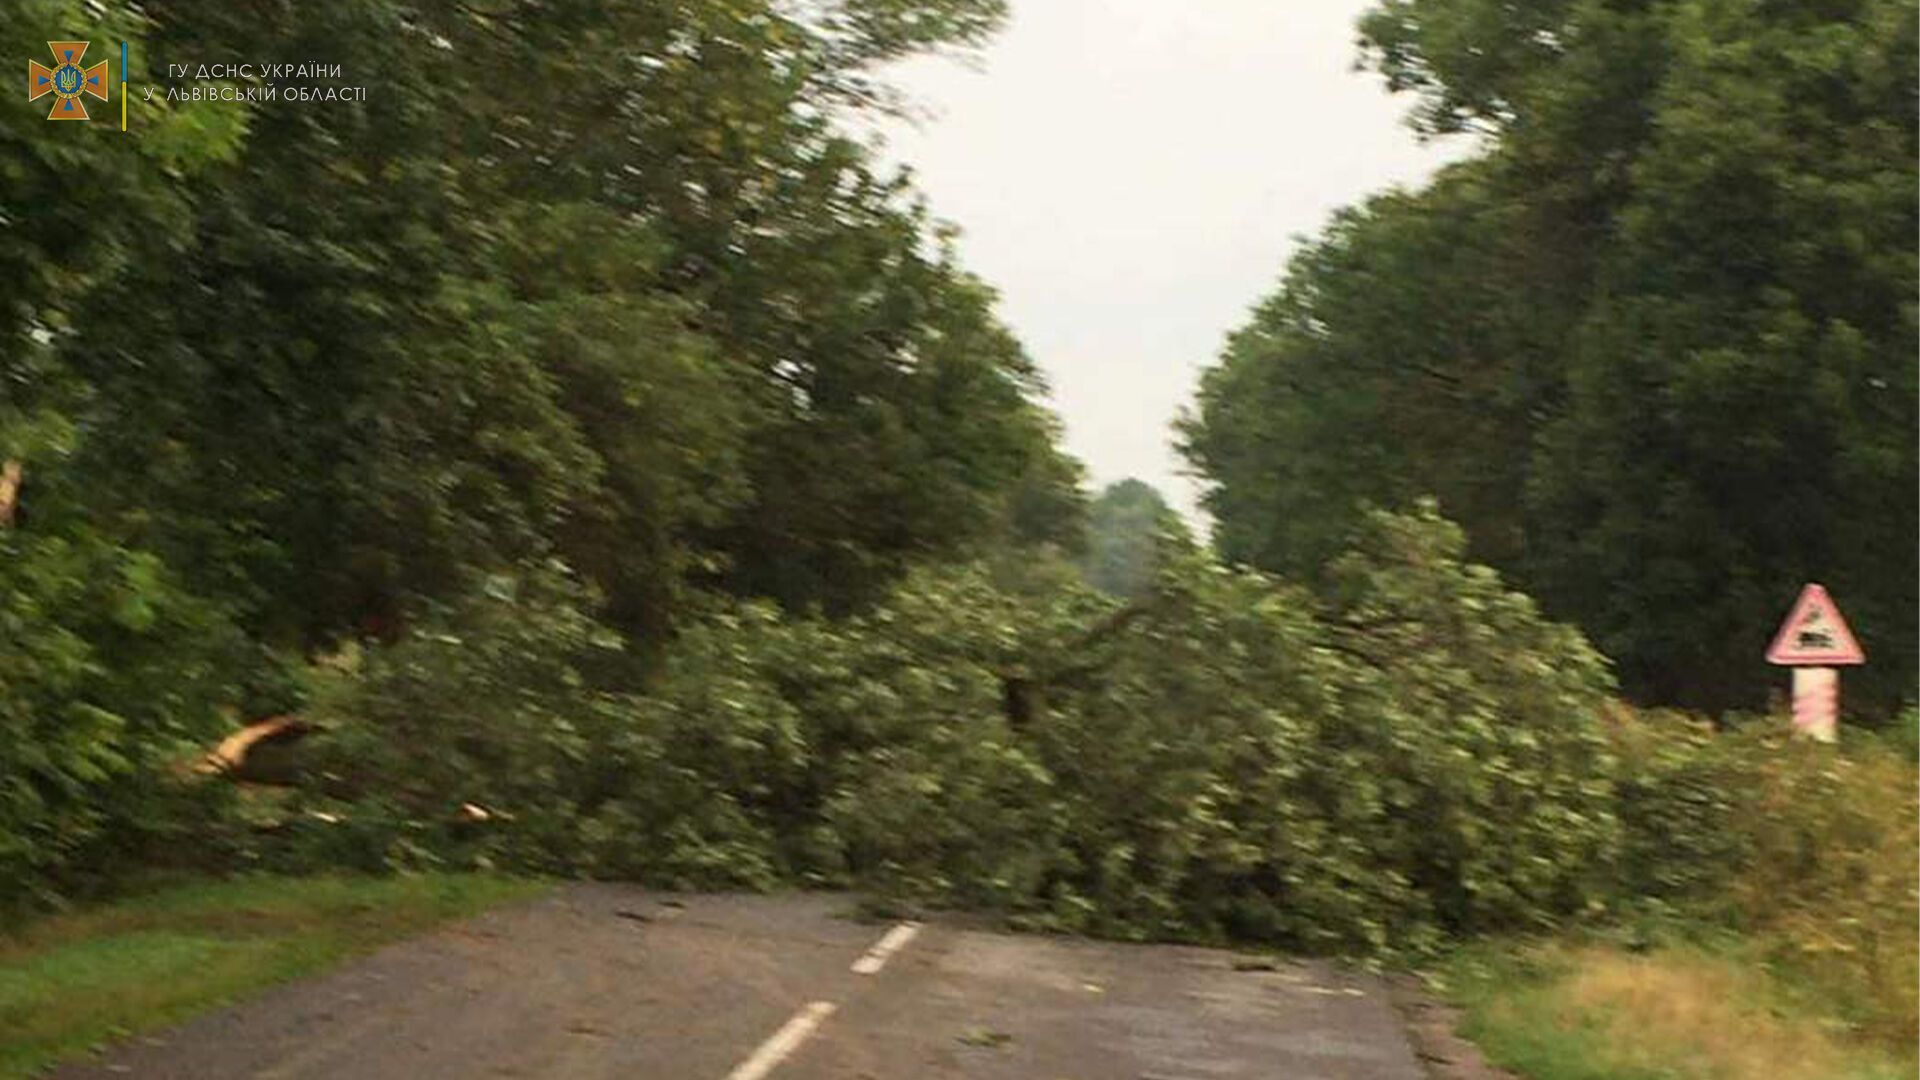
[[1815, 635]]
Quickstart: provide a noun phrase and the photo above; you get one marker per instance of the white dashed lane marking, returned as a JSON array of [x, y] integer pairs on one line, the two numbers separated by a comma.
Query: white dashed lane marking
[[796, 1031], [784, 1042], [891, 942]]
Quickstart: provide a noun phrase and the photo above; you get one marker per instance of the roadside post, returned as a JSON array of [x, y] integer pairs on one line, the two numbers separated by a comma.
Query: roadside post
[[1814, 641]]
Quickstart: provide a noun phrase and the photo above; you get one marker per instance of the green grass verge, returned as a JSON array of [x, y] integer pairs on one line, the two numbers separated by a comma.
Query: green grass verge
[[69, 982], [1580, 1010]]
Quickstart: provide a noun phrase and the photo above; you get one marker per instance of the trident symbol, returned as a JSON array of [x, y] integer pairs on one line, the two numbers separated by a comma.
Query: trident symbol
[[67, 81]]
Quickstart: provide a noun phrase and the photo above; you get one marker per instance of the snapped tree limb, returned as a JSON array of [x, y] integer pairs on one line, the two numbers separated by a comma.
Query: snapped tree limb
[[10, 474]]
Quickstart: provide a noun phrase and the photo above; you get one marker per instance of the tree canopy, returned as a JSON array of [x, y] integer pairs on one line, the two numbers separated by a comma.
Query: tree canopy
[[1127, 526], [607, 284], [1652, 346], [591, 295]]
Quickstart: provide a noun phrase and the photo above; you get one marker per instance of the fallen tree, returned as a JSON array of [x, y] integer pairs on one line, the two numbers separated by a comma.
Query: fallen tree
[[1211, 761]]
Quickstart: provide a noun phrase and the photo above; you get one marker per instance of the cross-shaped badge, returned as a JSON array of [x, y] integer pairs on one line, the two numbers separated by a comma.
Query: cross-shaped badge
[[67, 81]]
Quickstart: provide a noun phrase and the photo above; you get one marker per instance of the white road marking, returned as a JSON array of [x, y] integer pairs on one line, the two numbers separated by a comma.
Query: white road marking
[[784, 1042], [891, 942]]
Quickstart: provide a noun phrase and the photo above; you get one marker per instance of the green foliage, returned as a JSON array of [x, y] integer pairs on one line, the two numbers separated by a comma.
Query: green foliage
[[1256, 763], [323, 378], [607, 442], [482, 707], [1832, 877], [1225, 756], [1582, 1007], [109, 677], [71, 981], [1465, 669], [1680, 791], [1808, 848], [1671, 297], [695, 781], [1126, 528], [329, 368]]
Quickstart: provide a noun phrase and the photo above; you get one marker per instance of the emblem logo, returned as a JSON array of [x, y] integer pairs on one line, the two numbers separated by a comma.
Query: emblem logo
[[67, 81]]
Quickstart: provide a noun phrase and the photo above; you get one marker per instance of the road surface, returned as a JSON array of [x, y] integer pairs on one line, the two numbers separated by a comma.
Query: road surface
[[615, 981]]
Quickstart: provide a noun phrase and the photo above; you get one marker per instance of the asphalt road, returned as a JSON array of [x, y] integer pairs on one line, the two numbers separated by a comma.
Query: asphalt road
[[611, 981]]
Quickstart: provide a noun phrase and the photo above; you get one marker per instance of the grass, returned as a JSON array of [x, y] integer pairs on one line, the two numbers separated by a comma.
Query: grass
[[71, 981], [1598, 1011]]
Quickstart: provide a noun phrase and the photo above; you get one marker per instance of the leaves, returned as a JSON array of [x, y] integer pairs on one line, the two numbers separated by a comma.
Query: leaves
[[1651, 347], [1227, 756], [594, 311], [1126, 527], [109, 673]]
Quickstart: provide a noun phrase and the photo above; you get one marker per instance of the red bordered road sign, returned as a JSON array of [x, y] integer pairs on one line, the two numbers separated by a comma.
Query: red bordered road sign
[[1815, 635]]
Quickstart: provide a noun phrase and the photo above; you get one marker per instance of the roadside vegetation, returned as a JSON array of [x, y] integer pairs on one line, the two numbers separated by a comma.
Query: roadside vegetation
[[736, 547], [1225, 756], [1767, 926], [1657, 325], [68, 982], [1591, 1011]]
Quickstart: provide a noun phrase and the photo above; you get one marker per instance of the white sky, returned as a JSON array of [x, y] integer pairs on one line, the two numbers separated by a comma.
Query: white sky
[[1132, 174]]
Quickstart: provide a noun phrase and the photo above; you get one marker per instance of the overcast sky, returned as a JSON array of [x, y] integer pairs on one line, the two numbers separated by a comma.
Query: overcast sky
[[1132, 174]]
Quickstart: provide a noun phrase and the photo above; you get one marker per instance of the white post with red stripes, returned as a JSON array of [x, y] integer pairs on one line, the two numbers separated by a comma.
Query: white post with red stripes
[[1814, 641], [1816, 703]]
